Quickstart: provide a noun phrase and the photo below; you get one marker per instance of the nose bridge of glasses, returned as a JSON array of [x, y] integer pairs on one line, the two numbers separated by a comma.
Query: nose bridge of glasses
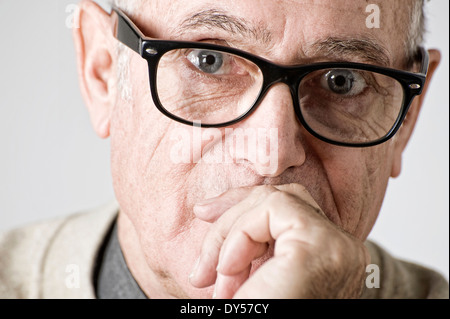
[[290, 76], [274, 78]]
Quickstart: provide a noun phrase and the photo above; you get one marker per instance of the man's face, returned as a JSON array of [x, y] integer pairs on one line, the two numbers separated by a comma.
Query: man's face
[[157, 193]]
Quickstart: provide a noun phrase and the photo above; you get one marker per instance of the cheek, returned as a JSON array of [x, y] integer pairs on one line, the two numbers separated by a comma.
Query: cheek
[[151, 161], [153, 191], [138, 133], [145, 182], [358, 180], [378, 170]]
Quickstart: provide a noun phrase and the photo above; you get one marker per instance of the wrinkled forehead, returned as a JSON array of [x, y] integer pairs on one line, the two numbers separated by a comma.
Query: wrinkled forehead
[[301, 25]]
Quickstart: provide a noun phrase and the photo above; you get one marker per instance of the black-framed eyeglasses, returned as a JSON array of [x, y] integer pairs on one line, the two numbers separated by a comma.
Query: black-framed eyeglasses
[[209, 85]]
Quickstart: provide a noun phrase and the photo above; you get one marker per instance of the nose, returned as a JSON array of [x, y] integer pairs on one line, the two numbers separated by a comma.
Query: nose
[[279, 141]]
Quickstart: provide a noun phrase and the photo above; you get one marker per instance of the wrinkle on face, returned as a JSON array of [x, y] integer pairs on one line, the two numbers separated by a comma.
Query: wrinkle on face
[[158, 195]]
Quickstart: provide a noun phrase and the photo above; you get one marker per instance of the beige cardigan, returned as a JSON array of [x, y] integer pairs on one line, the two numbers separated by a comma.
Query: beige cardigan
[[56, 259]]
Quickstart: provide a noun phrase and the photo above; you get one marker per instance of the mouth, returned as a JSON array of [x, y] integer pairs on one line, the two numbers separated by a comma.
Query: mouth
[[215, 181]]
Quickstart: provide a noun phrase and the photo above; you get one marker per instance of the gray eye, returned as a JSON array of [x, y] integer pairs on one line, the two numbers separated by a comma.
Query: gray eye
[[206, 61], [344, 82]]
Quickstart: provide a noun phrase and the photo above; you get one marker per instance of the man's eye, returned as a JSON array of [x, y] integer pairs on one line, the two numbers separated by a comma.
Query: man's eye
[[211, 62], [343, 82]]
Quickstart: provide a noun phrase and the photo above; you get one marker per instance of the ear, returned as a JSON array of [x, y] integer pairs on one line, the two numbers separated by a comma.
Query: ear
[[96, 66], [405, 132]]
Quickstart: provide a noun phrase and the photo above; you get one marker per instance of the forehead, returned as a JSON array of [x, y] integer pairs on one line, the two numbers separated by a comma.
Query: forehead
[[288, 24]]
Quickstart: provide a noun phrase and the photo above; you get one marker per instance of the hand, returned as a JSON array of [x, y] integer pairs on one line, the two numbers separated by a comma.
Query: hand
[[312, 257]]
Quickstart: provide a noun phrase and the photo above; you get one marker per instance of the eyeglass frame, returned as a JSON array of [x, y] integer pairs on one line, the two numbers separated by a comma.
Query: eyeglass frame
[[152, 50]]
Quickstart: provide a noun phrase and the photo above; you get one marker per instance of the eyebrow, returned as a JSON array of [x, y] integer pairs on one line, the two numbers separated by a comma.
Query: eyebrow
[[365, 48], [218, 19]]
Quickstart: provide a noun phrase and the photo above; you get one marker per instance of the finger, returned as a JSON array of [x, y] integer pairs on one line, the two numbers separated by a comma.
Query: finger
[[267, 282], [282, 216], [239, 259], [226, 286], [294, 224], [205, 273], [211, 209], [302, 194]]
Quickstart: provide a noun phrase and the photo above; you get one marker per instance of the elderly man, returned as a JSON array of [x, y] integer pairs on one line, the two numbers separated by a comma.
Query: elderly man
[[251, 146]]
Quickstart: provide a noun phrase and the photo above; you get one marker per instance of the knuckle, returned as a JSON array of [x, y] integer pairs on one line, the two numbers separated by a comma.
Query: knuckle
[[294, 188], [298, 187], [213, 240], [277, 197], [265, 190], [259, 193]]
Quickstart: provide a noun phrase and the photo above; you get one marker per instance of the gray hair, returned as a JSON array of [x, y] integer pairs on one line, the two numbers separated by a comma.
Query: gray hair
[[416, 35], [414, 39], [123, 54]]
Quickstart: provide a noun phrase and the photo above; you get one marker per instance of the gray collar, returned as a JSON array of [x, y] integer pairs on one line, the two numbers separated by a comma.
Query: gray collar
[[114, 279]]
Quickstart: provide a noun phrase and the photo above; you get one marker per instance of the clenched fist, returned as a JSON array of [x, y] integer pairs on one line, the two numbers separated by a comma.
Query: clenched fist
[[276, 242]]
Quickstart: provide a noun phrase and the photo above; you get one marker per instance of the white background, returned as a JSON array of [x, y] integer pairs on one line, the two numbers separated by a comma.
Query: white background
[[52, 163]]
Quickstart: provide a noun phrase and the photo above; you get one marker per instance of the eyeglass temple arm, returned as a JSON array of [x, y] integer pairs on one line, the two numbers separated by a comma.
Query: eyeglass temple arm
[[126, 31]]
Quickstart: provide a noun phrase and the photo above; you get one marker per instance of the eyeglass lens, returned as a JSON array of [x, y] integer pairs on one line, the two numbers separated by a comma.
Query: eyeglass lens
[[350, 105], [213, 87]]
